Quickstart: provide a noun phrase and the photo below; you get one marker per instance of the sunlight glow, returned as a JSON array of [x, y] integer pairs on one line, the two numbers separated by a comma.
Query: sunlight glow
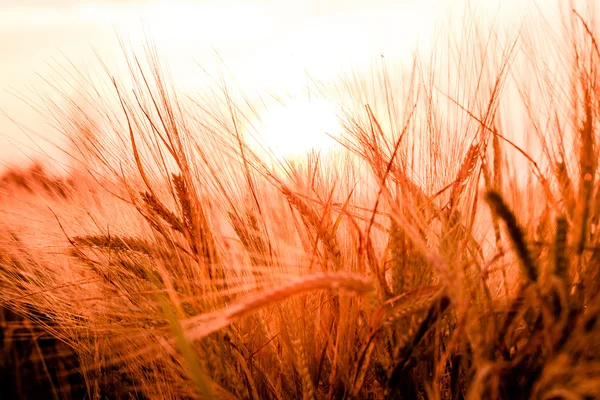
[[299, 126]]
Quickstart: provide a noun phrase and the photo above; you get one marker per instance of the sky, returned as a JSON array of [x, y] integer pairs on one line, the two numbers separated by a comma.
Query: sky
[[266, 44]]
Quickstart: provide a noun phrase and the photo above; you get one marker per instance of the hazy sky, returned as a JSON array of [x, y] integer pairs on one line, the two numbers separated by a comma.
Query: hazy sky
[[265, 44]]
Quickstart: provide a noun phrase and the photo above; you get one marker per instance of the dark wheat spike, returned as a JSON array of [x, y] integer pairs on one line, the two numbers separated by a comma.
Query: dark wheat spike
[[499, 207], [560, 245]]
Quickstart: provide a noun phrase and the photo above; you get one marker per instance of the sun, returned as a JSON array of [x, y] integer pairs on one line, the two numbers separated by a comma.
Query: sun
[[295, 128]]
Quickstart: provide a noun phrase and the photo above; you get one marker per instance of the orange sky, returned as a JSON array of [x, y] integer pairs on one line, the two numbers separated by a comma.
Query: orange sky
[[266, 44]]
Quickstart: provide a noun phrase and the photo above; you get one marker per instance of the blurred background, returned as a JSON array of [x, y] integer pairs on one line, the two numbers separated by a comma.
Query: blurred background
[[267, 46]]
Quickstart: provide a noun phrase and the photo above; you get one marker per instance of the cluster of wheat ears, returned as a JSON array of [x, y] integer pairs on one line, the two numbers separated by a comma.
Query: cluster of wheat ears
[[414, 262]]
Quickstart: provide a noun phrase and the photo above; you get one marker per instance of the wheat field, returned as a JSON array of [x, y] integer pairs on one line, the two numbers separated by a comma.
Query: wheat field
[[435, 253]]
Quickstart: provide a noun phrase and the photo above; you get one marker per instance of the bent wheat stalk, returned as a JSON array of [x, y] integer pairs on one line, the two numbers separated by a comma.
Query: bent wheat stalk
[[200, 326]]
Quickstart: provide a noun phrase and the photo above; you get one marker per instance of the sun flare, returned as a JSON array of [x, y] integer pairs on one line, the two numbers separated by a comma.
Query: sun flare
[[294, 128]]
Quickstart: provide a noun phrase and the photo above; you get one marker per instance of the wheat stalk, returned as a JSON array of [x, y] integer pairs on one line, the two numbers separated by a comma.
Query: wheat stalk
[[203, 325]]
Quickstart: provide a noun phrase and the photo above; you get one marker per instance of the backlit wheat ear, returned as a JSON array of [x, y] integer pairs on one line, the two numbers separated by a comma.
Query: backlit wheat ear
[[464, 172], [566, 187], [118, 243], [515, 232], [410, 302], [255, 243], [397, 244], [183, 196], [308, 387], [408, 266], [156, 208], [322, 226], [587, 165], [188, 219], [196, 227]]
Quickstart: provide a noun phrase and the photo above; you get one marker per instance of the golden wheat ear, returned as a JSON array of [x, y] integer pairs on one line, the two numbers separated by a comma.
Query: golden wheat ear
[[156, 208], [117, 243], [515, 232]]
